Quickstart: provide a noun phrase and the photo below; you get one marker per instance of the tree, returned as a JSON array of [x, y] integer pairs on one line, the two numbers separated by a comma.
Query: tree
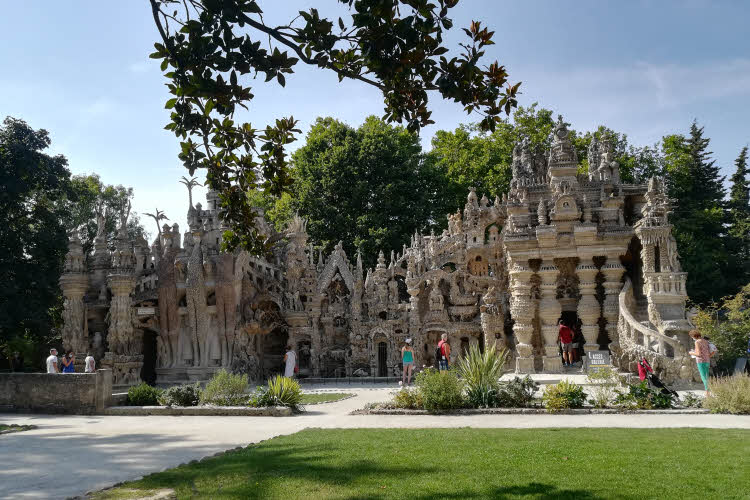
[[469, 157], [212, 47], [728, 325], [366, 187], [34, 192], [698, 218], [739, 219], [90, 195]]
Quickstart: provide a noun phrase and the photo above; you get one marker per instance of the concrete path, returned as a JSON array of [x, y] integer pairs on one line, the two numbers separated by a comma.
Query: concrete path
[[70, 455]]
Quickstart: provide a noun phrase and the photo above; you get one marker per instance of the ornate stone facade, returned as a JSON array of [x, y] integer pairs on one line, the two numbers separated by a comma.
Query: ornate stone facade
[[560, 244]]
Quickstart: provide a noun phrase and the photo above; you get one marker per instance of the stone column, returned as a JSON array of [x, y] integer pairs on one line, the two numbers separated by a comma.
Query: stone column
[[74, 284], [522, 309], [315, 347], [613, 272], [589, 310], [549, 313]]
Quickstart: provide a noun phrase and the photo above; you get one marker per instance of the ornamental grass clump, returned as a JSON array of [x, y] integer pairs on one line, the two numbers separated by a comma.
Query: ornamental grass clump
[[481, 372], [563, 396], [729, 395], [281, 391], [143, 395], [441, 390], [181, 395], [225, 389]]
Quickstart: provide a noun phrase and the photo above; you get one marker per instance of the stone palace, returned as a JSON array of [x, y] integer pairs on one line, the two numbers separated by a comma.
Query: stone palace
[[584, 247]]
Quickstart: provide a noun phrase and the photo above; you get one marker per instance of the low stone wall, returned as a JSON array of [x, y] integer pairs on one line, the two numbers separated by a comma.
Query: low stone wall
[[82, 393], [532, 411], [233, 411]]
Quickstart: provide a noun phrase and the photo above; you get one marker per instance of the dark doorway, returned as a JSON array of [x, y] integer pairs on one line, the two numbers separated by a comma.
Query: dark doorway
[[570, 318], [464, 346], [382, 359], [148, 370]]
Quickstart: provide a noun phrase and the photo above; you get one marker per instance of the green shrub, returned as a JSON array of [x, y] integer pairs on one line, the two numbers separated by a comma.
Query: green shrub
[[729, 395], [641, 397], [562, 396], [604, 382], [692, 400], [143, 395], [517, 393], [408, 398], [441, 390], [181, 395], [281, 391], [225, 389], [481, 372]]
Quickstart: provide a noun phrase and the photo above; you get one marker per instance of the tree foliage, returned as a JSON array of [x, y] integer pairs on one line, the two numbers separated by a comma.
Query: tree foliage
[[469, 157], [698, 219], [367, 187], [34, 190], [90, 195], [209, 49], [728, 324], [739, 218]]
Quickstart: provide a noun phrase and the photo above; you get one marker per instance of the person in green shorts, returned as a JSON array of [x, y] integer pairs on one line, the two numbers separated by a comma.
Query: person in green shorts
[[407, 357], [702, 353]]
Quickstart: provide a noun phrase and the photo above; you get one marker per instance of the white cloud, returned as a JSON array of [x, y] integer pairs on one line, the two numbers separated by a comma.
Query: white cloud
[[99, 106]]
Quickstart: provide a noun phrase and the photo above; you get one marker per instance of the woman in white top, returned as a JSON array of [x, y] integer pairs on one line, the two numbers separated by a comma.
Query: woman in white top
[[290, 358]]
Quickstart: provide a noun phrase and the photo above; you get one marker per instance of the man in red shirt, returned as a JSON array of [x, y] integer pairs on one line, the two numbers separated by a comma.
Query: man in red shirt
[[445, 352], [566, 341]]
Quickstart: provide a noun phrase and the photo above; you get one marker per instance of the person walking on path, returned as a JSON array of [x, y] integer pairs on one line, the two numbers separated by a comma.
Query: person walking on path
[[407, 357], [290, 358], [702, 353], [566, 342], [443, 352], [52, 361], [69, 363], [89, 363]]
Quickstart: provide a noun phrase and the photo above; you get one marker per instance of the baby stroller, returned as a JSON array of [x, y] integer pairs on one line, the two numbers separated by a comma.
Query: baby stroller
[[646, 372]]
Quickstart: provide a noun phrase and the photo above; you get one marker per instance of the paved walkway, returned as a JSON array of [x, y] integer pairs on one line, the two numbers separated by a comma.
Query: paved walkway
[[70, 455]]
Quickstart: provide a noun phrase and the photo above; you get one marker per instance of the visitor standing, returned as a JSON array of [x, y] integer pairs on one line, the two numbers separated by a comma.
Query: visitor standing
[[443, 352], [69, 363], [712, 350], [89, 363], [407, 357], [566, 342], [702, 353], [290, 358], [52, 361]]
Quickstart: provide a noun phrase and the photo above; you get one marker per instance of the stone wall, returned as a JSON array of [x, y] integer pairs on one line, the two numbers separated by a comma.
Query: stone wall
[[81, 393]]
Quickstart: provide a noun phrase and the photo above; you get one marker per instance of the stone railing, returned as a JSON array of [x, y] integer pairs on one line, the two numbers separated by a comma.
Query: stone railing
[[637, 338], [665, 284]]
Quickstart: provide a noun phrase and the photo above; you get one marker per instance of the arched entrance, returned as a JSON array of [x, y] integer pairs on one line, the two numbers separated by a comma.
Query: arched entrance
[[382, 359], [148, 370]]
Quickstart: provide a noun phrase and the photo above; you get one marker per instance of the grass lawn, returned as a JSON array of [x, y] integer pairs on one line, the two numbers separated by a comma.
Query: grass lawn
[[326, 397], [469, 463]]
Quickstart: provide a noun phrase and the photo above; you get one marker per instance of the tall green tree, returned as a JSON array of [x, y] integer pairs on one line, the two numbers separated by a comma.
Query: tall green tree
[[91, 194], [469, 157], [35, 190], [698, 218], [739, 219], [211, 51], [367, 187]]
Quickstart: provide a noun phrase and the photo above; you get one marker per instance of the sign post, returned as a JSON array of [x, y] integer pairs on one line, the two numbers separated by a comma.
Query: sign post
[[596, 360]]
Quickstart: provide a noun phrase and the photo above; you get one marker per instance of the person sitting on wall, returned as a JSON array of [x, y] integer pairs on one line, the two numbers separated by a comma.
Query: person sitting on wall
[[566, 342], [443, 352], [52, 361]]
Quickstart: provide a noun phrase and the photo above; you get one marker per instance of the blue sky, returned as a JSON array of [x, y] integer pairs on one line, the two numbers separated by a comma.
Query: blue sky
[[80, 69]]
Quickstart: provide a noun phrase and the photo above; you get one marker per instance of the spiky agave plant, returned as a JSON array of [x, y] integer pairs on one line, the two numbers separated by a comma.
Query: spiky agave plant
[[284, 391], [481, 372]]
